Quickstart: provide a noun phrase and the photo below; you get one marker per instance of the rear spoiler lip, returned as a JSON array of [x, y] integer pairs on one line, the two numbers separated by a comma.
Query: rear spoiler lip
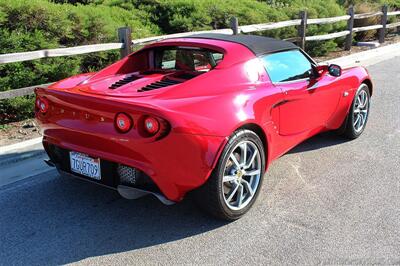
[[124, 104]]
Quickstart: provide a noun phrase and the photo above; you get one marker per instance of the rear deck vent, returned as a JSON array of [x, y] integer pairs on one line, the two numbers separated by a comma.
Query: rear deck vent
[[159, 84], [124, 81]]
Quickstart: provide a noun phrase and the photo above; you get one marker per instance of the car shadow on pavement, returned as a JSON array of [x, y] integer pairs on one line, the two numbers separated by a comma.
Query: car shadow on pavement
[[57, 220], [319, 141]]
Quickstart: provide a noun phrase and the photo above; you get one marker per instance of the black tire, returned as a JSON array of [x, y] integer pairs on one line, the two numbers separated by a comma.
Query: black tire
[[210, 196], [349, 130]]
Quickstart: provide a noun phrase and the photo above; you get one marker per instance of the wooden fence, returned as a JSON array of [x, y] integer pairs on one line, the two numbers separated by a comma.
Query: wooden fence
[[125, 42]]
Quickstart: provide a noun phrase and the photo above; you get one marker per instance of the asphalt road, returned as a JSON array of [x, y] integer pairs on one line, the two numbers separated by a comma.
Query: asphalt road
[[328, 201]]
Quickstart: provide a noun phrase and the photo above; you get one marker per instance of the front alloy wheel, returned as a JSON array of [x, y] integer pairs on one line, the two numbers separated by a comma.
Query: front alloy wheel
[[360, 112], [358, 115]]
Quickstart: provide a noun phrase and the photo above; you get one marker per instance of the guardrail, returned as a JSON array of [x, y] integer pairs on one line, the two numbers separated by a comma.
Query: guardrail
[[125, 42]]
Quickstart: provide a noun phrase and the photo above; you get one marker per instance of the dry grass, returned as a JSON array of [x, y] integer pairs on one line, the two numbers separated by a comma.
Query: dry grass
[[367, 8]]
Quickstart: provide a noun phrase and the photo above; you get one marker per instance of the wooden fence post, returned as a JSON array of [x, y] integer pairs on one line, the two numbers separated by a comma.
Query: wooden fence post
[[302, 29], [234, 25], [382, 31], [124, 36], [350, 25]]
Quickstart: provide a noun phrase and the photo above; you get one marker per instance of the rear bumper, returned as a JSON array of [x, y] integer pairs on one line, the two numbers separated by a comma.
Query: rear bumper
[[177, 163]]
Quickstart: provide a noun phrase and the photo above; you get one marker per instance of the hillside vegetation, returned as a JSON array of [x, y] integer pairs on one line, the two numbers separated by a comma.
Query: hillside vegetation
[[28, 25]]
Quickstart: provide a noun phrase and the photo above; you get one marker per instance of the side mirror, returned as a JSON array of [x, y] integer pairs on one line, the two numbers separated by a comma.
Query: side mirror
[[335, 70]]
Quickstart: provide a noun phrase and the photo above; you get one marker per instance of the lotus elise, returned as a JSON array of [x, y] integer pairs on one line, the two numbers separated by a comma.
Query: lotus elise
[[204, 114]]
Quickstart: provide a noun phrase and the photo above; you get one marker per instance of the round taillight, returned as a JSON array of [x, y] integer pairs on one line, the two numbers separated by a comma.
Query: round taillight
[[123, 122], [151, 125], [42, 104]]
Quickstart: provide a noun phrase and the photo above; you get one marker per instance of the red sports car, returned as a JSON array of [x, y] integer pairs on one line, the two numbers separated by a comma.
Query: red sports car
[[206, 113]]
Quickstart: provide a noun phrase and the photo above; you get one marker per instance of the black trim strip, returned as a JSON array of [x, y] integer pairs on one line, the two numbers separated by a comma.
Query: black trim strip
[[279, 103], [159, 84], [124, 81]]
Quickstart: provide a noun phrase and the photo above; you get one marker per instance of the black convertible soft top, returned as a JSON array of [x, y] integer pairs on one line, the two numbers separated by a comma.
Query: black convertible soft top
[[257, 44]]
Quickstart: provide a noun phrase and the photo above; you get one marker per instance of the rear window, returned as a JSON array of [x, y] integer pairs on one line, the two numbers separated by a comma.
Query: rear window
[[186, 58]]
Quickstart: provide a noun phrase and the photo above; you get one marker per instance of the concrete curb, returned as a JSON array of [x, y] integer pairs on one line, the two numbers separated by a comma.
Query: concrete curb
[[10, 148], [369, 57]]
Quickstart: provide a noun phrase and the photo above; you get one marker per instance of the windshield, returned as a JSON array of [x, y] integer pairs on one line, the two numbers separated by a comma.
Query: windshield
[[287, 66]]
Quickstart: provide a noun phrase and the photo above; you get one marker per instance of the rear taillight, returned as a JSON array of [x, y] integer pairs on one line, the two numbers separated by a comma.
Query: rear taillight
[[151, 125], [42, 105], [123, 122]]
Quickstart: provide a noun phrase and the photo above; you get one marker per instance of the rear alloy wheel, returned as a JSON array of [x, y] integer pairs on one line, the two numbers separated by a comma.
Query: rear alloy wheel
[[235, 183], [358, 116], [242, 175]]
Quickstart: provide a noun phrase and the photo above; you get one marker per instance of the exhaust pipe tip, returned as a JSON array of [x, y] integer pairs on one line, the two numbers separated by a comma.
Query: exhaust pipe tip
[[49, 163]]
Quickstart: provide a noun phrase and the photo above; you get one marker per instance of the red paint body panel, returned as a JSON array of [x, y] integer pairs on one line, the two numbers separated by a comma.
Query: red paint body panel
[[202, 113]]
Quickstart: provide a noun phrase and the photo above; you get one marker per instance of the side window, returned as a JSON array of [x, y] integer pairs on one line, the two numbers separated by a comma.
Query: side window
[[217, 57], [287, 66], [167, 59]]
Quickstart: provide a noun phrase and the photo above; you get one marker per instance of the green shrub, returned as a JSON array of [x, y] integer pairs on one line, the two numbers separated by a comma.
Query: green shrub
[[38, 24], [189, 15], [315, 9], [16, 109], [391, 3]]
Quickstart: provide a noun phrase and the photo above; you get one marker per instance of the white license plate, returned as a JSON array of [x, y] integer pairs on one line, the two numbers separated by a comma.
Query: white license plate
[[85, 165]]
